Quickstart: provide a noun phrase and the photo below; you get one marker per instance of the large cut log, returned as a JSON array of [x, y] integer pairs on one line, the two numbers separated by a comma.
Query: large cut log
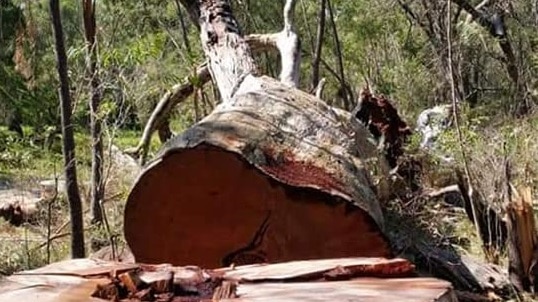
[[273, 175]]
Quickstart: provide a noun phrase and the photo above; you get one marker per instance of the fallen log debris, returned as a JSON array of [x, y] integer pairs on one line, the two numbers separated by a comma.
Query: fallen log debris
[[344, 279], [18, 207]]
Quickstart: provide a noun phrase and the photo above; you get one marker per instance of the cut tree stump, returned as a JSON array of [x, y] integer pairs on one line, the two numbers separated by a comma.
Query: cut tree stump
[[272, 175]]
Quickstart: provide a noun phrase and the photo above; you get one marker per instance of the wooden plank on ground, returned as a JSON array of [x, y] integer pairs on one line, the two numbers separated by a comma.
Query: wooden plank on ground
[[363, 290], [312, 269]]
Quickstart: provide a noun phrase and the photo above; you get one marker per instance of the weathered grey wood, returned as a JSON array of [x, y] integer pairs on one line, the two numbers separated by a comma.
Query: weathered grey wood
[[363, 290]]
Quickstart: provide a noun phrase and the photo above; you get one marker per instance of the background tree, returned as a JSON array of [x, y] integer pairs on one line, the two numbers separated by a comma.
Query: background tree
[[73, 195], [97, 185]]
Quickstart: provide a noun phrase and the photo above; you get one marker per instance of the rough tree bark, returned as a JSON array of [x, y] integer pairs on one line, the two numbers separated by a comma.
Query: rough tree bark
[[73, 195], [272, 174], [97, 186]]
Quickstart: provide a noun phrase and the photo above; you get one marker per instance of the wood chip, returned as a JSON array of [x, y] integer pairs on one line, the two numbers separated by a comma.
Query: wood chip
[[131, 281], [226, 290], [160, 281]]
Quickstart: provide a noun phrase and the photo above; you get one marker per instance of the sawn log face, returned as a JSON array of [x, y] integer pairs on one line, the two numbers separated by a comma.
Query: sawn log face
[[272, 154]]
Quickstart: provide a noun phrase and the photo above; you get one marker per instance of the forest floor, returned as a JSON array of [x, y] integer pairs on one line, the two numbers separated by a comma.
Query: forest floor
[[25, 166]]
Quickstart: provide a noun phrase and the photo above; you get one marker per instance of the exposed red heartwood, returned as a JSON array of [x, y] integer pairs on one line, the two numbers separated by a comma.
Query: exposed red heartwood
[[212, 203], [299, 173]]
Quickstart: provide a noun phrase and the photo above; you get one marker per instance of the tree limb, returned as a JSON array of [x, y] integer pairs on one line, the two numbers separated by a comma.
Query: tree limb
[[319, 43], [286, 41], [169, 100], [289, 45], [320, 87]]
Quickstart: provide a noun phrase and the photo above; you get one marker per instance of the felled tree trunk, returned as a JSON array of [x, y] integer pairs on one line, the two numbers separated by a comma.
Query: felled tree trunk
[[272, 174]]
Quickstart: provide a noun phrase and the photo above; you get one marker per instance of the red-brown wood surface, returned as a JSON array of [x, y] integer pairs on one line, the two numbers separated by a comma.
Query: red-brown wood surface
[[316, 269]]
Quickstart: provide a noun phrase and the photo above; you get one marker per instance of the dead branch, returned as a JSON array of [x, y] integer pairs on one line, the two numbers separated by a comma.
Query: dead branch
[[443, 191], [286, 41], [320, 87], [176, 95], [289, 46]]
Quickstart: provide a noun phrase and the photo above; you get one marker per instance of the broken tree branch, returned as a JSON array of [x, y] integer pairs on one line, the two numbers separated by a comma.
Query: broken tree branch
[[289, 46], [176, 95], [320, 87], [286, 41]]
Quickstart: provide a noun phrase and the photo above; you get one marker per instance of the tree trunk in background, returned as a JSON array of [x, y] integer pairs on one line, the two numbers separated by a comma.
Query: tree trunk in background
[[344, 91], [184, 32], [316, 59], [73, 195], [96, 186]]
